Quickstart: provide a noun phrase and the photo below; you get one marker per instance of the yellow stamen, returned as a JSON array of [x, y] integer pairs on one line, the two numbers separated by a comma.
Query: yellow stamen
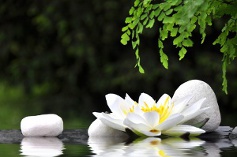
[[164, 109], [166, 113], [166, 101], [132, 109]]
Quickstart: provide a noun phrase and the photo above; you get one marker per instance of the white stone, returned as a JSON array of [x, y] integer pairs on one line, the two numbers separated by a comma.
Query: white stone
[[199, 89], [98, 129], [42, 125]]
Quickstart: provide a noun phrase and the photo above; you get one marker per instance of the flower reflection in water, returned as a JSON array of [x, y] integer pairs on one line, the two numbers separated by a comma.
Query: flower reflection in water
[[170, 147], [107, 146], [41, 146]]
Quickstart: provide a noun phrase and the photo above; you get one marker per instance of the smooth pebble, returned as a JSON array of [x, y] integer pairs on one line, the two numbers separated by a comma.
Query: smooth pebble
[[200, 89], [42, 125]]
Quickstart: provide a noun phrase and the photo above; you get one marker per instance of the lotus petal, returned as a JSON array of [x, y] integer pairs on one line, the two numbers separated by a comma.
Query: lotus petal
[[114, 101], [110, 121], [184, 129], [172, 121], [146, 100]]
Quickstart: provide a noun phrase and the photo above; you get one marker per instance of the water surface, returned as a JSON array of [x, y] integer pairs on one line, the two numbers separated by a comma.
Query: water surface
[[76, 143]]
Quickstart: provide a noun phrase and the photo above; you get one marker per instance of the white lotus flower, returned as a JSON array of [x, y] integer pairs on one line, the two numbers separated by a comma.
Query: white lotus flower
[[150, 118]]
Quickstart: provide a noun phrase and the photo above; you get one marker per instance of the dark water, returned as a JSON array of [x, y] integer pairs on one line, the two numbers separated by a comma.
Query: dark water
[[74, 143], [112, 147]]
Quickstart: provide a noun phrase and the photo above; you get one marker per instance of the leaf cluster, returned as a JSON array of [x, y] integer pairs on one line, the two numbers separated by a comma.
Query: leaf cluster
[[178, 19]]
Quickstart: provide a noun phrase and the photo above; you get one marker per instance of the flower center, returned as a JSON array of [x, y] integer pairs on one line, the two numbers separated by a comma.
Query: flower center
[[164, 109], [154, 131]]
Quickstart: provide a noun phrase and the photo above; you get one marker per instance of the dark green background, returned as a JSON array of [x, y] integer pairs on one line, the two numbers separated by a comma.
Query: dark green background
[[63, 57]]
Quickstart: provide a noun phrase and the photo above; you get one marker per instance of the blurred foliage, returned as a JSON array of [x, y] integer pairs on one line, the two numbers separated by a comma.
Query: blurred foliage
[[178, 20], [64, 56], [11, 104], [9, 149]]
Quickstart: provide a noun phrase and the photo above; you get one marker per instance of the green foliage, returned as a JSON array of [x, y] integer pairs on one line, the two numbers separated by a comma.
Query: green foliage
[[178, 19]]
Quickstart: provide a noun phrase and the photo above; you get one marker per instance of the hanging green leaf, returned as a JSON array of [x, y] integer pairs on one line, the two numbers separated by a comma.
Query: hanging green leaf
[[150, 23], [179, 19], [174, 32], [125, 38], [187, 42], [178, 40], [182, 53], [164, 59]]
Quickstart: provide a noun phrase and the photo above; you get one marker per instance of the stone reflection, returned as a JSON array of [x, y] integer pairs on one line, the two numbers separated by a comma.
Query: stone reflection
[[172, 147], [41, 146]]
